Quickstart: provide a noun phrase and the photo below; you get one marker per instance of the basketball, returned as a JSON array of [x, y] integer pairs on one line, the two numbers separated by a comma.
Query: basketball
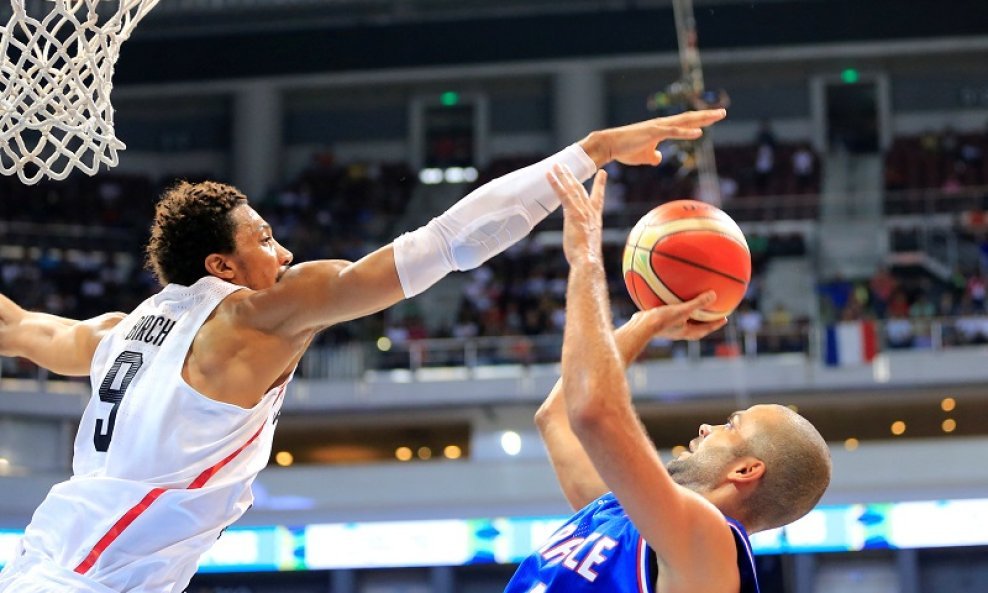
[[683, 248]]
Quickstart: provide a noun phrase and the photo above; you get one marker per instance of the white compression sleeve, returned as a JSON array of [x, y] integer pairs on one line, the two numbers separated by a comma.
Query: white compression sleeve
[[484, 223]]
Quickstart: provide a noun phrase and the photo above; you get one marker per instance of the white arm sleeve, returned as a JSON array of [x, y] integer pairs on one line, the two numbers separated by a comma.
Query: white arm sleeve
[[484, 223]]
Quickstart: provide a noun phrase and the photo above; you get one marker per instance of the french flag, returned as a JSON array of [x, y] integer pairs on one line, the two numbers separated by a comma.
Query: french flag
[[850, 343]]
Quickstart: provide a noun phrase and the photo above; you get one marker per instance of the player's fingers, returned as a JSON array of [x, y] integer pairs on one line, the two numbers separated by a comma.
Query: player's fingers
[[680, 132], [571, 192], [572, 183], [677, 315], [648, 156], [701, 329], [684, 311], [576, 203], [712, 326], [579, 193], [559, 188], [567, 181], [699, 302], [703, 117]]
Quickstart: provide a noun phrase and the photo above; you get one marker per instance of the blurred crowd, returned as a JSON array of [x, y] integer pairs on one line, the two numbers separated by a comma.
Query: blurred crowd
[[945, 160], [85, 257], [909, 302], [522, 293], [747, 173]]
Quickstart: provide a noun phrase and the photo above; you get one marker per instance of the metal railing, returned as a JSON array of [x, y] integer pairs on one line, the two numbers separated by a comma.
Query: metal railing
[[355, 360], [927, 202]]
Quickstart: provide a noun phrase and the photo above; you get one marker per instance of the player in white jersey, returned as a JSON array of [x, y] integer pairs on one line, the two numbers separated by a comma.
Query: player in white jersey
[[643, 527], [187, 387]]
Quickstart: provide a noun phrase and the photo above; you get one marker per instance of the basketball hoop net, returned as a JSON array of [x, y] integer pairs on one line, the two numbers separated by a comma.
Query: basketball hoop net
[[56, 74]]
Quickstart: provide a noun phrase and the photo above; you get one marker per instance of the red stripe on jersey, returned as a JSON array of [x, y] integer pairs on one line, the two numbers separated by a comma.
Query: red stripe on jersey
[[118, 528], [131, 515], [202, 478]]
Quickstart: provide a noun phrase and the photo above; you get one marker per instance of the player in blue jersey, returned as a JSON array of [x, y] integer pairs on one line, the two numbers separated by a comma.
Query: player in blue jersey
[[642, 526]]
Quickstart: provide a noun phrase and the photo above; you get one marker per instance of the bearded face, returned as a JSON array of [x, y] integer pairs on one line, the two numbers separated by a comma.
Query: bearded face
[[704, 468]]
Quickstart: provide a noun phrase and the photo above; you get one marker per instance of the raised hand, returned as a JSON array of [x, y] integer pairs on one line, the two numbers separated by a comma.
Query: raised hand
[[636, 144], [582, 213], [674, 321]]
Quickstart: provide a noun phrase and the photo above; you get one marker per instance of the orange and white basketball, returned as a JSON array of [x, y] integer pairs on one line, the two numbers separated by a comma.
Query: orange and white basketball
[[683, 248]]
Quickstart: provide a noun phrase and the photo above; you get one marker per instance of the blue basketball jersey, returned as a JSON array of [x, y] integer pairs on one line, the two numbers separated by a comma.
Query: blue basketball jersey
[[599, 549]]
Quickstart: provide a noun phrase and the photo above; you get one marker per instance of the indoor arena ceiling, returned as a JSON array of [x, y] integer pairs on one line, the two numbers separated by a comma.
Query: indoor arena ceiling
[[200, 15]]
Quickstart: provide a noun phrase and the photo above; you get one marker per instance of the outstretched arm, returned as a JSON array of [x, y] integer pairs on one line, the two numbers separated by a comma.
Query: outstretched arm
[[61, 345], [574, 469], [478, 227], [691, 539]]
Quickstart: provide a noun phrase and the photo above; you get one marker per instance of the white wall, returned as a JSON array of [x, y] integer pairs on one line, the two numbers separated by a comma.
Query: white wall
[[856, 576], [526, 486], [34, 444], [962, 120]]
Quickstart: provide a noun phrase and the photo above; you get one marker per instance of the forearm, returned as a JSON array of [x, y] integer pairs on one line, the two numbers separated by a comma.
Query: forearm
[[33, 336], [27, 334], [632, 338], [592, 364], [484, 223], [577, 476], [61, 345]]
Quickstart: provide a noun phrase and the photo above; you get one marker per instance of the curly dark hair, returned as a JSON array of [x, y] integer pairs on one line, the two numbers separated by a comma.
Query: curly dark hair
[[191, 221]]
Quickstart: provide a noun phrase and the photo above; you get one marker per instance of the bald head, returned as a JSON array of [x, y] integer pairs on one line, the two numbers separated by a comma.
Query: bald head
[[794, 466], [797, 466]]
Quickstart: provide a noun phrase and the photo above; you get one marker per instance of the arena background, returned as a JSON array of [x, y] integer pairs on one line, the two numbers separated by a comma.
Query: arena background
[[855, 157]]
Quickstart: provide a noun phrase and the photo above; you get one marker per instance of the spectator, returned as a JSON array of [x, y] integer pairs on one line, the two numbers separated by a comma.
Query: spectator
[[882, 285], [764, 167], [898, 305], [765, 136], [976, 291], [803, 165], [949, 143], [765, 143], [922, 308], [930, 142], [899, 332], [971, 152], [753, 293], [749, 318], [466, 325], [728, 189], [779, 336], [972, 326], [946, 306], [952, 184], [749, 322]]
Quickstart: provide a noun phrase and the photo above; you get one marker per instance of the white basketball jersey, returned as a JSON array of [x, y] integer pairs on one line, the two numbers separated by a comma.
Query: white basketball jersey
[[159, 469]]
